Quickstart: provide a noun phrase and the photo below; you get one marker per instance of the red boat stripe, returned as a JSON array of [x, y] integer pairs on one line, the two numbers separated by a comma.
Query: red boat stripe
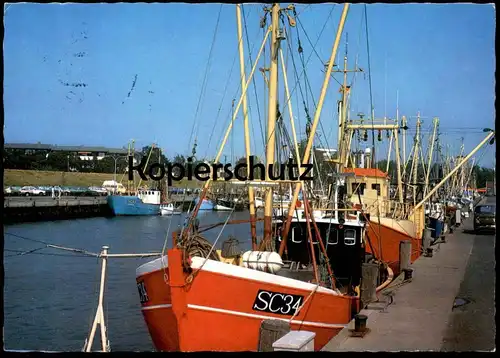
[[212, 309], [167, 305]]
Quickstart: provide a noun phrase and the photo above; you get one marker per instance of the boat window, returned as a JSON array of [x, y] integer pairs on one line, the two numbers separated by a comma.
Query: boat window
[[376, 187], [358, 187], [314, 238], [332, 238], [299, 239], [349, 237]]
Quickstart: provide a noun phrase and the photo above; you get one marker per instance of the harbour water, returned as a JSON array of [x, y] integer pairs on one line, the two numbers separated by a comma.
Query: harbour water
[[50, 296]]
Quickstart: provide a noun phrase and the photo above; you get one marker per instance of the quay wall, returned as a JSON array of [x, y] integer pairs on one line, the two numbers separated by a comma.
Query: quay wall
[[32, 209]]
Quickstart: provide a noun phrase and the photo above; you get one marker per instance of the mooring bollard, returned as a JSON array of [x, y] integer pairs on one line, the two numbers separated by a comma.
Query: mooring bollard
[[404, 255], [369, 278], [360, 323], [408, 272], [271, 330], [426, 242]]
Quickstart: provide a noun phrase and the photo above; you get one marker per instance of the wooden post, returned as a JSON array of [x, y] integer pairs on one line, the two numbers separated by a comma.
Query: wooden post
[[369, 279], [270, 331], [404, 255]]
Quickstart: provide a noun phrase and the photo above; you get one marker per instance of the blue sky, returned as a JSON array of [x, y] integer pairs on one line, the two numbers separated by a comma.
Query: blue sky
[[440, 58]]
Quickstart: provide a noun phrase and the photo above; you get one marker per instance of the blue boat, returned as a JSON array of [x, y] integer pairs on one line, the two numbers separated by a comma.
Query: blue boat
[[147, 202], [205, 205]]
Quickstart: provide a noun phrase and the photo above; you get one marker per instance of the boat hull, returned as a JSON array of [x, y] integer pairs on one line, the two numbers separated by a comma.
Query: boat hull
[[168, 212], [385, 237], [122, 205], [205, 205], [223, 307]]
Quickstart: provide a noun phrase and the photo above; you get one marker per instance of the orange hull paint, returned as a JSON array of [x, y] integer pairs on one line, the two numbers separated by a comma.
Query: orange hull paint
[[390, 240], [215, 312]]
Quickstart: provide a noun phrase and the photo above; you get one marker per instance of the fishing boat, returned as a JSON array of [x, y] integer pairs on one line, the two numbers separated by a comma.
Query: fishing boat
[[146, 202], [196, 298], [136, 202], [206, 204], [169, 209]]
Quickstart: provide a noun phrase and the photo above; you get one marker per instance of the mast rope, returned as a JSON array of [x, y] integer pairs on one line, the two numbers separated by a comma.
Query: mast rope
[[205, 80], [307, 83], [253, 81], [373, 122], [48, 245], [228, 117]]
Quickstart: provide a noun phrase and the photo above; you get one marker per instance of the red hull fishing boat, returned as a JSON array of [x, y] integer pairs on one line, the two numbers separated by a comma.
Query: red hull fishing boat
[[196, 298]]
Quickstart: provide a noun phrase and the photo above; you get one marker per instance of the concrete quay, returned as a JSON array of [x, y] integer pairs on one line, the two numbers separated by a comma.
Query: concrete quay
[[43, 208], [45, 201], [422, 316]]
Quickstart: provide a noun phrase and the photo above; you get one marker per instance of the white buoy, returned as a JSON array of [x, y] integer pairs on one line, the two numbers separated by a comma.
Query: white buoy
[[266, 261]]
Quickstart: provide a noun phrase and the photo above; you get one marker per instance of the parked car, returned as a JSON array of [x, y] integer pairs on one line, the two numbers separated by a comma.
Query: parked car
[[98, 190], [31, 190], [63, 191], [484, 217]]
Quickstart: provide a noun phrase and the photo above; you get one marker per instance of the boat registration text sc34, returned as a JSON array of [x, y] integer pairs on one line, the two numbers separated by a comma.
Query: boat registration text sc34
[[277, 303]]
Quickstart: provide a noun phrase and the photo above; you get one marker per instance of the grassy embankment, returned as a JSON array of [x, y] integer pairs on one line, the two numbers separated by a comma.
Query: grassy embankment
[[13, 177]]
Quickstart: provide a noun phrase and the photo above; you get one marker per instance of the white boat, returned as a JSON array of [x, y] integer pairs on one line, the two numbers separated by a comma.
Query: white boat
[[218, 207], [169, 209]]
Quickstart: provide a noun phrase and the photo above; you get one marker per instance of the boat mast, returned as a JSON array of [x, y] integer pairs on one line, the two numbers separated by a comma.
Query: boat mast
[[145, 166], [128, 156], [342, 117], [436, 123], [251, 196], [403, 125], [398, 162], [317, 113], [271, 117], [415, 160], [445, 179]]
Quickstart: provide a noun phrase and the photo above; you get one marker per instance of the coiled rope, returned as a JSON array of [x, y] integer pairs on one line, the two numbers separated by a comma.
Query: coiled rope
[[197, 245]]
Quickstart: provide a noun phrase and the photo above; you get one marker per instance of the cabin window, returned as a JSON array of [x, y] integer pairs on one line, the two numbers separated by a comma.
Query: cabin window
[[333, 237], [314, 238], [376, 187], [358, 188], [349, 237], [296, 230]]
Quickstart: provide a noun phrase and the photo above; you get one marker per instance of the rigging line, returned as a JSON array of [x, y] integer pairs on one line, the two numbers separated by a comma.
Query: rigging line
[[22, 253], [306, 80], [204, 79], [372, 115], [308, 59], [84, 252], [221, 102], [305, 8], [253, 81], [228, 118], [314, 48]]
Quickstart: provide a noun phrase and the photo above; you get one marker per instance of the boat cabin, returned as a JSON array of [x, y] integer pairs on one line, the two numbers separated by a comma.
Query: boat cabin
[[370, 185], [149, 196], [344, 246]]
